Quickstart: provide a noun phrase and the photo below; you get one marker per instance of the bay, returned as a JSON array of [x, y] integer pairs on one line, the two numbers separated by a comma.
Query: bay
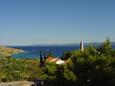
[[34, 51]]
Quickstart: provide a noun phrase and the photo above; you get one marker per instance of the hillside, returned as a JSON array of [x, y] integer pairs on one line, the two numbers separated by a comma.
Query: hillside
[[7, 51]]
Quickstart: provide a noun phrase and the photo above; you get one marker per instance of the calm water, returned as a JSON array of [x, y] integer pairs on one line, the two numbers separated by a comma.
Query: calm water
[[33, 51]]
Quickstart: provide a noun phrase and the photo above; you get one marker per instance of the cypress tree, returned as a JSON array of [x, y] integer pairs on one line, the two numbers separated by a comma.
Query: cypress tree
[[41, 59], [45, 57]]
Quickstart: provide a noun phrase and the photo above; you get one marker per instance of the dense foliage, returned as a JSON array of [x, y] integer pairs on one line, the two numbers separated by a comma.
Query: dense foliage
[[91, 67], [95, 66], [14, 69]]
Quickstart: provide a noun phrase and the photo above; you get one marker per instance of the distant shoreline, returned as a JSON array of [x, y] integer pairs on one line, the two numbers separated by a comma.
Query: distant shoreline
[[64, 44], [8, 51]]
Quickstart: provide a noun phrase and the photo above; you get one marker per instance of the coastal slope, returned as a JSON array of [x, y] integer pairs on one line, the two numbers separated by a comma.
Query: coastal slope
[[7, 51]]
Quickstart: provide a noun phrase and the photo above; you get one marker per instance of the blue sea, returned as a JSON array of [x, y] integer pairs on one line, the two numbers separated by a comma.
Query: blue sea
[[34, 51]]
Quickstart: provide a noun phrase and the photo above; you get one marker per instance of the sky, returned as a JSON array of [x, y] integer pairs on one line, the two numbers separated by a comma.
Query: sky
[[26, 22]]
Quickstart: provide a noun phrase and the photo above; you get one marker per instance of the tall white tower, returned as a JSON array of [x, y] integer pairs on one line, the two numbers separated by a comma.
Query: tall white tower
[[81, 46]]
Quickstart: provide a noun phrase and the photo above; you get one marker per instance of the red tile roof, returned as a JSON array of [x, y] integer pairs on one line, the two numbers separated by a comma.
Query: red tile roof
[[56, 60]]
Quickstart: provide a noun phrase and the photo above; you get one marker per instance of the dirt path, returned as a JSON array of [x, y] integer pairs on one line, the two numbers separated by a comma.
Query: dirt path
[[17, 83]]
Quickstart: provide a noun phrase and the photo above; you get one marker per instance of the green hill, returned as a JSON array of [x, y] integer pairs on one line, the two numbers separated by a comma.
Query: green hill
[[7, 51]]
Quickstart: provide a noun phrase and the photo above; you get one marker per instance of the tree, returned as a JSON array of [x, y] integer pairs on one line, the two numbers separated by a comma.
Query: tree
[[106, 48], [41, 59], [93, 70], [66, 55], [45, 57]]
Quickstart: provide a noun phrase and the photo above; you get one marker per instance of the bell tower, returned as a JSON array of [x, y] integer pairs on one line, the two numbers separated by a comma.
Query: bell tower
[[81, 46]]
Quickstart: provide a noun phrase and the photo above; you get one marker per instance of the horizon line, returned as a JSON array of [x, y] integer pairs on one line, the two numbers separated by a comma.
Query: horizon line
[[51, 44]]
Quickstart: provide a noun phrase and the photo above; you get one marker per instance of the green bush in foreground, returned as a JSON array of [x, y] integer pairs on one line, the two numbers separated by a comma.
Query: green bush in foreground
[[14, 69], [93, 67]]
